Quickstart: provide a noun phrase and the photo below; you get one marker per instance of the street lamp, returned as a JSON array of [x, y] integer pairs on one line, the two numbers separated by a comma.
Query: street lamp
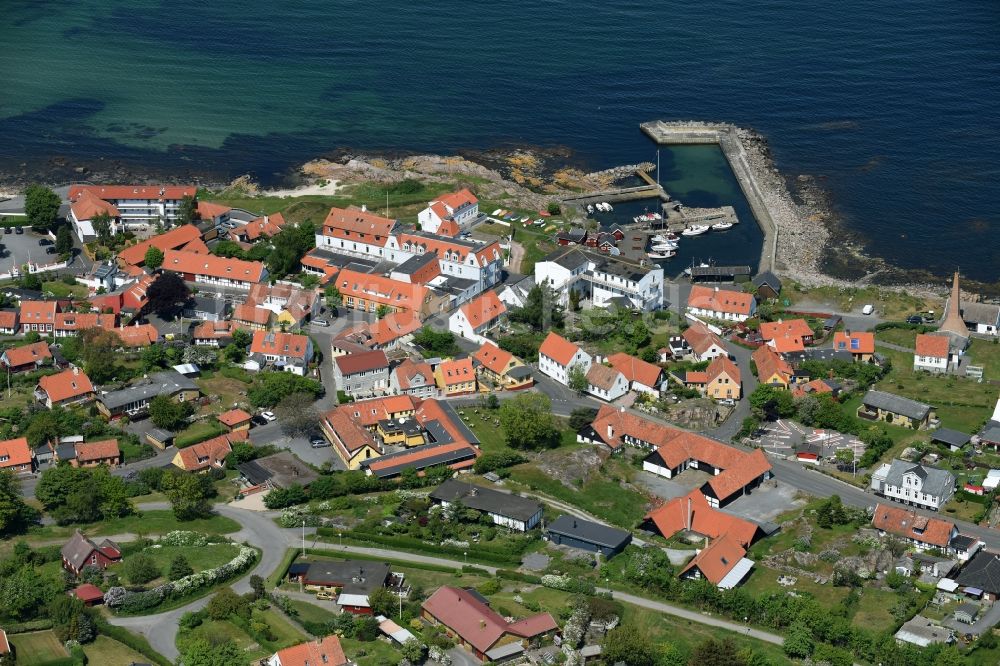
[[303, 537], [465, 556]]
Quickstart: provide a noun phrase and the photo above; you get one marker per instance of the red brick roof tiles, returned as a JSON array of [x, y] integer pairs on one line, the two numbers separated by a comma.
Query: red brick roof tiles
[[558, 348], [720, 300], [936, 346]]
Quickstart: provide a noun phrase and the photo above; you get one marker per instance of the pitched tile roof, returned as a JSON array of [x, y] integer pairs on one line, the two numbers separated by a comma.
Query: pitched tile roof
[[133, 192], [213, 330], [212, 266], [448, 248], [477, 623], [251, 314], [77, 550], [407, 371], [382, 290], [484, 309], [8, 318], [325, 651], [81, 321], [493, 358], [896, 404], [785, 344], [210, 452], [455, 200], [354, 224], [38, 312], [722, 365], [602, 376], [720, 300], [16, 451], [141, 335], [558, 348], [738, 467], [624, 423], [68, 384], [277, 343], [266, 226], [88, 592], [169, 240], [33, 353], [718, 559], [909, 524], [932, 345], [208, 210], [352, 434], [457, 371], [102, 450], [635, 369], [769, 330], [363, 362], [457, 455], [88, 205], [751, 466], [233, 417], [701, 339], [770, 364], [370, 412], [675, 515], [857, 342], [393, 326]]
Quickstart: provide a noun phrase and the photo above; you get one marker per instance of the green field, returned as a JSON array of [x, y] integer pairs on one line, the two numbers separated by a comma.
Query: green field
[[109, 652], [200, 558], [37, 647], [904, 337], [159, 521]]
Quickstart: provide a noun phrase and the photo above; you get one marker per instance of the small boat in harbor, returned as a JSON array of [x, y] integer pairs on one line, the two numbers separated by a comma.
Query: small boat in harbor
[[696, 230], [608, 207], [665, 254], [590, 209], [525, 219], [722, 226], [539, 222], [668, 238], [660, 247], [496, 212], [647, 217]]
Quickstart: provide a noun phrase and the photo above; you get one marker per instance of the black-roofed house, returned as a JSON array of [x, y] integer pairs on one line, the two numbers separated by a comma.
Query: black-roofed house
[[279, 470], [914, 484], [768, 285], [587, 535], [134, 400], [955, 440], [206, 308], [517, 513], [894, 409], [351, 580], [80, 552], [982, 572]]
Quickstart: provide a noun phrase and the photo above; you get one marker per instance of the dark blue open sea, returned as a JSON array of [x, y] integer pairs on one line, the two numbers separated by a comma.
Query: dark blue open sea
[[893, 104]]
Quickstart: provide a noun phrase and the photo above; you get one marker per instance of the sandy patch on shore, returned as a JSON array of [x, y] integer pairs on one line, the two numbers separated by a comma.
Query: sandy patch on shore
[[327, 188]]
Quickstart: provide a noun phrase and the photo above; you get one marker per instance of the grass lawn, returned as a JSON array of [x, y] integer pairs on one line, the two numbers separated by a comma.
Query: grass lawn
[[37, 647], [225, 391], [312, 613], [873, 611], [375, 653], [148, 523], [205, 557], [60, 289], [898, 336], [888, 304], [199, 432], [284, 632], [986, 354], [109, 652], [215, 631], [961, 403]]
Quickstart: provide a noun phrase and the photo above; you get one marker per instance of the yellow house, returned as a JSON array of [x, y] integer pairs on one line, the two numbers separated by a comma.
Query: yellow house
[[501, 368], [723, 379], [455, 377], [400, 432], [352, 442], [771, 368], [285, 321]]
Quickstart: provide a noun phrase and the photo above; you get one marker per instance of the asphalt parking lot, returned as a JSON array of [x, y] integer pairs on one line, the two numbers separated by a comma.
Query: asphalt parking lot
[[21, 248], [784, 437], [766, 502], [271, 434]]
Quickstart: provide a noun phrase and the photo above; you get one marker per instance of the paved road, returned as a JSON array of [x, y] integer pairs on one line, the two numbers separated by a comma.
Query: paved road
[[731, 426]]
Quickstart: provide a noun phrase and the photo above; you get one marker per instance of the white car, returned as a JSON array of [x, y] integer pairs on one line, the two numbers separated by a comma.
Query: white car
[[868, 309], [269, 416]]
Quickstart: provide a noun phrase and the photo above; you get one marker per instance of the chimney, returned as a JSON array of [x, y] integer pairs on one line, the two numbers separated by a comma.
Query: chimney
[[953, 317], [717, 289], [76, 370]]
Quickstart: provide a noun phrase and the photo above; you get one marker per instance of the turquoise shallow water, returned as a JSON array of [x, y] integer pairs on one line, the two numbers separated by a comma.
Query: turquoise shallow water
[[892, 104]]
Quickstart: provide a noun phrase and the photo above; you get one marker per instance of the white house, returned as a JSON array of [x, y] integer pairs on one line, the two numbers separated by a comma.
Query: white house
[[475, 319], [724, 304], [460, 208], [913, 484], [982, 318], [288, 351], [127, 206], [932, 352], [557, 356], [516, 295], [702, 342], [606, 383], [355, 232], [463, 260], [602, 279]]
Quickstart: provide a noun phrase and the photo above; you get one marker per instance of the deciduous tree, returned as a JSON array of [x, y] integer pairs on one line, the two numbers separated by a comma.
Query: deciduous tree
[[167, 413], [99, 354], [15, 515], [139, 569], [576, 379], [64, 240], [187, 496], [528, 423], [187, 211], [166, 295], [297, 414], [41, 207], [153, 258]]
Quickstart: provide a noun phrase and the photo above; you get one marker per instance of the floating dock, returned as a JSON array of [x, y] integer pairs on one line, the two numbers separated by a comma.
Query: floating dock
[[725, 136]]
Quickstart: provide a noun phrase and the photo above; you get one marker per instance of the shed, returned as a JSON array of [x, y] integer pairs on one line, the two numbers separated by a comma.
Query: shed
[[160, 438], [89, 594], [587, 535], [967, 612], [720, 274], [768, 285], [954, 439]]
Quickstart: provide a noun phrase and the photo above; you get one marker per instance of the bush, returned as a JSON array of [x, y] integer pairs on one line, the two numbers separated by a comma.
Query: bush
[[491, 462]]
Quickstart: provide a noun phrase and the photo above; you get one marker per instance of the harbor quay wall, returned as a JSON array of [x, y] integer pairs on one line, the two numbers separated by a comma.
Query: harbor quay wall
[[617, 194], [727, 138]]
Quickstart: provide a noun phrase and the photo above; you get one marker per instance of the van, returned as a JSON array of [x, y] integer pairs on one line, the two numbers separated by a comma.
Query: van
[[868, 309]]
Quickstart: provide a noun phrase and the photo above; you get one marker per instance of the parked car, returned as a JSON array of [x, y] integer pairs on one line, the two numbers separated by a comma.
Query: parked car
[[318, 442], [50, 250], [914, 319], [868, 309], [6, 230], [257, 419], [728, 402], [18, 230], [269, 416], [321, 322]]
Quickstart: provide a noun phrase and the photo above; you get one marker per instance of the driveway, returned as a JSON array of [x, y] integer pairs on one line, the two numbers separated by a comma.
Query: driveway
[[766, 502], [729, 428], [270, 433]]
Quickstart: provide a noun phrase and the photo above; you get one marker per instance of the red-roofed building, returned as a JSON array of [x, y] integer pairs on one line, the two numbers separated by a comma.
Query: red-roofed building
[[923, 532], [9, 322], [475, 319], [861, 345], [722, 379], [605, 383], [132, 297], [70, 387], [412, 378], [28, 357], [455, 377], [262, 227], [457, 258], [139, 335], [131, 206], [16, 456], [366, 292], [704, 344], [211, 453], [351, 440], [92, 454], [725, 304], [932, 353], [290, 351], [355, 232], [795, 329], [457, 208], [214, 333], [251, 317], [235, 419], [557, 356], [319, 652], [362, 374], [80, 552], [89, 594], [692, 515], [642, 376], [72, 323], [501, 368], [213, 212], [39, 316], [456, 455], [615, 427], [480, 629], [723, 563], [173, 239], [771, 368], [210, 269], [86, 206]]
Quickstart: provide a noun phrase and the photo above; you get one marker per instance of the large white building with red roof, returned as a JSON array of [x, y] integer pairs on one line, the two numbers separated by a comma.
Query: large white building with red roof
[[725, 304], [557, 356], [128, 206], [449, 212], [475, 319]]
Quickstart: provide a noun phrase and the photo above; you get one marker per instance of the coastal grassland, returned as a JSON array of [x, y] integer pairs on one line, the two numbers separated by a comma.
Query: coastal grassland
[[109, 652], [889, 304], [961, 403], [37, 648]]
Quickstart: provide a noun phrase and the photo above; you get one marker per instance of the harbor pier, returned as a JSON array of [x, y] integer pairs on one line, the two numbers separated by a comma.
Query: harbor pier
[[726, 137]]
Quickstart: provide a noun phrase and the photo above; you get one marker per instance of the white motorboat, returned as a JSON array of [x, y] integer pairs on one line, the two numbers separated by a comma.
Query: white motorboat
[[669, 238], [496, 212], [663, 247], [590, 209], [539, 222], [608, 207], [525, 219], [696, 230], [722, 226], [665, 254]]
